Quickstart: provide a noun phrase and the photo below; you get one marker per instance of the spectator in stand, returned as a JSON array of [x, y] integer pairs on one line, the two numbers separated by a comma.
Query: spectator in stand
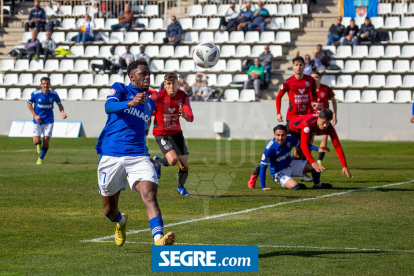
[[335, 31], [206, 91], [322, 59], [183, 85], [261, 17], [256, 77], [174, 32], [93, 11], [229, 20], [86, 30], [125, 59], [47, 47], [30, 47], [266, 60], [125, 19], [366, 33], [245, 18], [142, 54], [350, 33], [37, 18], [110, 62], [308, 65], [197, 86]]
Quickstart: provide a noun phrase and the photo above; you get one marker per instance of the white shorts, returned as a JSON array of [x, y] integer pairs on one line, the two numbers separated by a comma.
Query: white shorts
[[114, 173], [45, 129], [295, 169]]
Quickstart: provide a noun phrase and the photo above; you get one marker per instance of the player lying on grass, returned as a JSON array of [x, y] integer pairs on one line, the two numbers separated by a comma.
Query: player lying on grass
[[303, 127], [277, 154], [43, 118], [124, 154], [325, 94], [172, 104]]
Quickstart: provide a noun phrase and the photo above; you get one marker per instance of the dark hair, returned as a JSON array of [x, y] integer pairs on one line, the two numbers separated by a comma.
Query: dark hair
[[316, 72], [352, 20], [367, 18], [298, 58], [134, 65], [319, 45], [170, 77], [279, 127], [44, 79], [326, 114]]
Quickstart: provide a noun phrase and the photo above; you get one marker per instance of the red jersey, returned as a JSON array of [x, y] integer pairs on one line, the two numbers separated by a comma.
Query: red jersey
[[325, 93], [167, 118], [300, 92], [306, 126]]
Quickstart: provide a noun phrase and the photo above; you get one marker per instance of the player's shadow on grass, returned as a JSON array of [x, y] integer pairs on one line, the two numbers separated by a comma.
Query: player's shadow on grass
[[316, 253]]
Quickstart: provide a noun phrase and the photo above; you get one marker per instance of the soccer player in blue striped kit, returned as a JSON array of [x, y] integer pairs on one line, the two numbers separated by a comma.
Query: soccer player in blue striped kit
[[124, 154]]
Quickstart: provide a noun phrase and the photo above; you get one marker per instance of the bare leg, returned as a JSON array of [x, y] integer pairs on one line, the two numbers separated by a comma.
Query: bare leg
[[110, 205], [148, 191], [172, 157]]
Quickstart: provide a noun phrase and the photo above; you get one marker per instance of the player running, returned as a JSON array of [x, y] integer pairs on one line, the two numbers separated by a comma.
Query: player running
[[124, 154], [43, 118], [282, 167], [172, 104], [303, 127], [325, 93]]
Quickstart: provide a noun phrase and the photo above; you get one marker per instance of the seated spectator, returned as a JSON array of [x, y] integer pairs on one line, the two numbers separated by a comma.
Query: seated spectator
[[109, 63], [37, 18], [30, 47], [125, 59], [86, 30], [197, 86], [335, 31], [47, 47], [245, 18], [256, 77], [229, 20], [366, 33], [261, 17], [350, 33], [308, 65], [183, 85], [174, 32], [143, 54], [206, 91], [266, 60], [322, 59], [125, 19]]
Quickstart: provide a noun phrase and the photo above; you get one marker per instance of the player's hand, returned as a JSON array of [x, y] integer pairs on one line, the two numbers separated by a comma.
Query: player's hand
[[279, 118], [266, 189], [334, 120], [64, 115], [412, 119], [138, 99], [181, 112], [347, 172], [38, 119], [324, 149], [317, 167]]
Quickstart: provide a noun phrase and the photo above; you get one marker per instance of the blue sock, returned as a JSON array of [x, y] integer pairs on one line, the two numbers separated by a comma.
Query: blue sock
[[157, 226], [296, 187], [118, 218], [316, 177], [43, 152]]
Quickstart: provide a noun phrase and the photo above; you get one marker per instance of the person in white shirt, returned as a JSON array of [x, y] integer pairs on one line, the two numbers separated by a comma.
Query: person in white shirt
[[143, 54], [86, 30], [125, 59], [111, 62], [229, 19]]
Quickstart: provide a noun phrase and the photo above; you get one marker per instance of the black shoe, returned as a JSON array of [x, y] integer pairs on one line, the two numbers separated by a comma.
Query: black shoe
[[302, 186], [323, 186]]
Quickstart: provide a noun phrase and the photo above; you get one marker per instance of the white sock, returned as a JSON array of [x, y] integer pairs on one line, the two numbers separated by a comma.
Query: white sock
[[319, 161], [122, 221], [157, 237]]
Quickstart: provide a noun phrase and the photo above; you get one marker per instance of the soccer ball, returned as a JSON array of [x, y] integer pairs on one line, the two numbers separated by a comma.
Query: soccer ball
[[206, 55]]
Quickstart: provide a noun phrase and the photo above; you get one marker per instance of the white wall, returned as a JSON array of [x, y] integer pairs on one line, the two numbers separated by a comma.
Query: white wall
[[379, 122]]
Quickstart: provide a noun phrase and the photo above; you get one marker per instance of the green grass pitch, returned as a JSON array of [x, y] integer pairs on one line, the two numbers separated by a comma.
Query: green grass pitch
[[49, 211]]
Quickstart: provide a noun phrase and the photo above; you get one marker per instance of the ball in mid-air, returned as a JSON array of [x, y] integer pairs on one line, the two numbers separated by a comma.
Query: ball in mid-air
[[206, 54]]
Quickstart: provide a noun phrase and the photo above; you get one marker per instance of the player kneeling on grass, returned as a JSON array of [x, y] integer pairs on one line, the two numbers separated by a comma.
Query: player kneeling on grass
[[277, 154], [124, 153], [43, 118]]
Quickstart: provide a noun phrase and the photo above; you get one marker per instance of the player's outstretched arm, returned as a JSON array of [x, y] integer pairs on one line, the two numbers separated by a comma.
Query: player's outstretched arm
[[279, 97], [347, 172], [62, 111], [339, 152], [263, 169], [35, 116], [185, 110], [304, 146]]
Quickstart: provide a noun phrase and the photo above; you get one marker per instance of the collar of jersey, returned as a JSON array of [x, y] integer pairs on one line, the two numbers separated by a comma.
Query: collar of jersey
[[136, 90]]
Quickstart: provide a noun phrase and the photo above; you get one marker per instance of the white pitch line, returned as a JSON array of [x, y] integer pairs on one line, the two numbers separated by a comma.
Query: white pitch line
[[19, 150], [252, 209], [287, 246]]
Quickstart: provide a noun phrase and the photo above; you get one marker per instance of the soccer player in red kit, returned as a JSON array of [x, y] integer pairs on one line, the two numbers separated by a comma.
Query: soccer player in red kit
[[303, 127], [172, 104], [301, 90], [325, 94]]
